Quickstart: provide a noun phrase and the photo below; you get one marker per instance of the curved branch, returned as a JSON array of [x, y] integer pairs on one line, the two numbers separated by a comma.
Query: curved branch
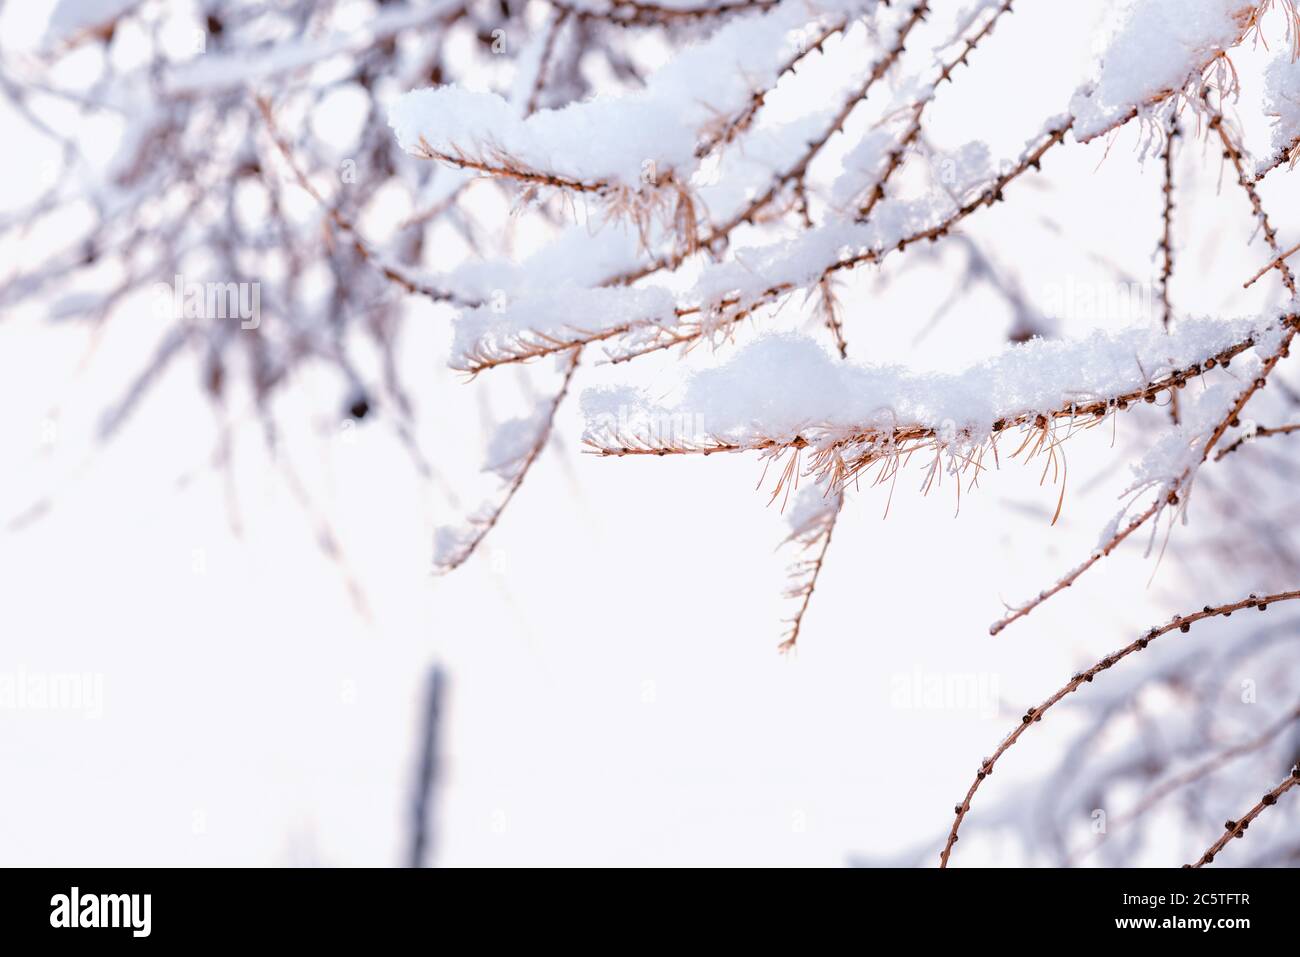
[[1238, 828], [480, 527], [1203, 770], [1182, 623]]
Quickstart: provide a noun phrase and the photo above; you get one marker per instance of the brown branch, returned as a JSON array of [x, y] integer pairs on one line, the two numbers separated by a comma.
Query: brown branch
[[1259, 433], [1233, 153], [545, 344], [1204, 769], [1167, 242], [345, 225], [1272, 264], [896, 156], [989, 197], [719, 234], [727, 132], [482, 526], [898, 441], [1077, 572], [504, 167], [799, 170], [1238, 828], [817, 535], [795, 173], [1182, 623], [1194, 89], [1170, 496], [832, 316], [548, 48], [1167, 236], [629, 13], [848, 437], [669, 337], [1287, 155]]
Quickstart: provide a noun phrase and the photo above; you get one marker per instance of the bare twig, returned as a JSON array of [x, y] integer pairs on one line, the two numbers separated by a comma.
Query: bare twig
[[1169, 496], [345, 225], [1273, 263], [816, 535], [1238, 828], [480, 526], [1201, 771], [422, 808], [1259, 432], [1181, 623], [1233, 153], [1167, 241]]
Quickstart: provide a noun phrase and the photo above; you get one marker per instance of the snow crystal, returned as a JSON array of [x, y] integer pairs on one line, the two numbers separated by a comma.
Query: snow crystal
[[583, 258], [747, 169], [1282, 100], [512, 441], [1183, 446], [450, 543], [967, 170], [1158, 47], [811, 505], [864, 164]]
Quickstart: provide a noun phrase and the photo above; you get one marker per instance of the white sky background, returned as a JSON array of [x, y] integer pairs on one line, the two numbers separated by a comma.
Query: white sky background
[[615, 692]]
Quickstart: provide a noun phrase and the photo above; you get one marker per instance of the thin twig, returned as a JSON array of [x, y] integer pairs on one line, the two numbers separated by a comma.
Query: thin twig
[[1271, 264], [345, 225], [1203, 770], [1238, 828], [423, 832], [1182, 623], [481, 527], [1233, 153], [1170, 495], [1260, 432], [819, 537], [1167, 242]]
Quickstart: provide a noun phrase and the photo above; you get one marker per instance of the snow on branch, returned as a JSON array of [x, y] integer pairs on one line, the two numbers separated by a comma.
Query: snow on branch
[[516, 445], [1172, 465], [753, 278], [785, 392], [728, 292], [812, 524], [642, 13], [513, 331], [1164, 48], [1282, 101], [645, 139]]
